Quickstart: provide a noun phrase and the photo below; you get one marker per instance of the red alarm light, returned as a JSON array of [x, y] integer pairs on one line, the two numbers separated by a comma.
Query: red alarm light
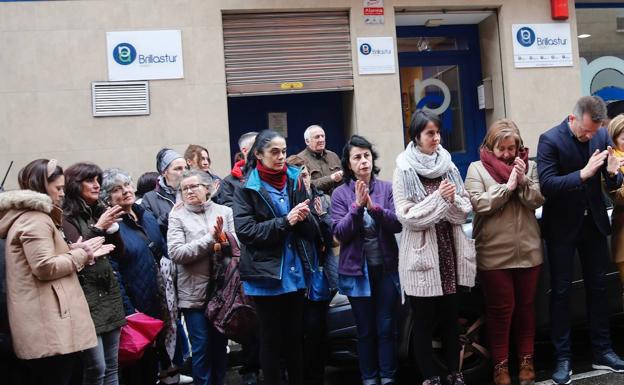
[[559, 9]]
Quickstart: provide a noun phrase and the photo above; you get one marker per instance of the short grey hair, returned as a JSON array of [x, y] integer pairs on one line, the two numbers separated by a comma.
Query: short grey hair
[[306, 133], [111, 178], [594, 106], [246, 140], [204, 178]]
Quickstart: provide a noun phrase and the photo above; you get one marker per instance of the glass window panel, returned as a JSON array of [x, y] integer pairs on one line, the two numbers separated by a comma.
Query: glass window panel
[[438, 89]]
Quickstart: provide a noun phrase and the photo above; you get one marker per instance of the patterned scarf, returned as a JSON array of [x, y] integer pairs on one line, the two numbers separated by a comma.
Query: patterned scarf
[[414, 164]]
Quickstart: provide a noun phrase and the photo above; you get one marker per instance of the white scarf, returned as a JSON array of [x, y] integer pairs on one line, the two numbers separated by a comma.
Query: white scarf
[[413, 164]]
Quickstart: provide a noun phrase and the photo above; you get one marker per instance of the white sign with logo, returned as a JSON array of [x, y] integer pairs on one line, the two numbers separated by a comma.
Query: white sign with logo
[[144, 55], [542, 45], [376, 55]]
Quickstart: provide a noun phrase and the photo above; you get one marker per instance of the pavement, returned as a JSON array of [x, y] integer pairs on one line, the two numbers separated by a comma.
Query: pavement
[[350, 376], [581, 365]]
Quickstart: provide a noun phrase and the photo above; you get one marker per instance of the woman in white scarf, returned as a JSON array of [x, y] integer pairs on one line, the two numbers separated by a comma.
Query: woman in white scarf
[[435, 257]]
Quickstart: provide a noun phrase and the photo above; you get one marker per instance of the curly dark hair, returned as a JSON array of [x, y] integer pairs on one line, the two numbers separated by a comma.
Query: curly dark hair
[[361, 142]]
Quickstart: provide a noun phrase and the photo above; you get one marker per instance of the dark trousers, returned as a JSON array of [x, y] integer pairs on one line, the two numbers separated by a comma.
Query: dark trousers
[[510, 301], [314, 341], [55, 370], [142, 372], [594, 256], [429, 312], [281, 336], [377, 329], [251, 355]]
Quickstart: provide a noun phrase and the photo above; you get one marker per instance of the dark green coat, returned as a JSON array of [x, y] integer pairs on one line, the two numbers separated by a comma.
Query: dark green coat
[[98, 281]]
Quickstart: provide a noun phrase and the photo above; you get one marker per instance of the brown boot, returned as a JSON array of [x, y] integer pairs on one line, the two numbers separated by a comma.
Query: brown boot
[[501, 373], [526, 376]]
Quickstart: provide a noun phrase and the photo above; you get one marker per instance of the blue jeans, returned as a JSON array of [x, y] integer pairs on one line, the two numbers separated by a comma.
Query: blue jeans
[[594, 255], [182, 349], [208, 347], [377, 330], [100, 362]]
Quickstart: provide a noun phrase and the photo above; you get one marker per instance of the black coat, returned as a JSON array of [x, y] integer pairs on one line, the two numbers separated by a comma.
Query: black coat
[[159, 202], [225, 195], [262, 234], [559, 161]]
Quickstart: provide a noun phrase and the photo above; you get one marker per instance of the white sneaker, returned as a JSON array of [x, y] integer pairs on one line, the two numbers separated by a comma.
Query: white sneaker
[[185, 380]]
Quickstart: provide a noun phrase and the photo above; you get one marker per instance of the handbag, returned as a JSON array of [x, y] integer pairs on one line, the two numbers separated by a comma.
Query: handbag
[[229, 310], [318, 286], [137, 334]]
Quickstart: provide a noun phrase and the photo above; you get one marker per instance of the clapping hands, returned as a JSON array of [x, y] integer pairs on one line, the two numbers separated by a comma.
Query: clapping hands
[[299, 213], [447, 190], [109, 217], [518, 175], [362, 196], [94, 248]]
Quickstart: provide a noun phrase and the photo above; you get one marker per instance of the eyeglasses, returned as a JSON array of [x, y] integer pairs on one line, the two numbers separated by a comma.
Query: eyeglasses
[[191, 188]]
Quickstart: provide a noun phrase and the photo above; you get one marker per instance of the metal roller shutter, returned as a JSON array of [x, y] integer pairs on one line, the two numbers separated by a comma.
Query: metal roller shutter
[[275, 53]]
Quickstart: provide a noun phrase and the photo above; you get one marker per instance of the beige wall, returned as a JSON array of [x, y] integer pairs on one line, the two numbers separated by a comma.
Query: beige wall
[[56, 49]]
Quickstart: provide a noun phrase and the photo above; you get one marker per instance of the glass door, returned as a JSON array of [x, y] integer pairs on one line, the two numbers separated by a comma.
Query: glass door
[[440, 70]]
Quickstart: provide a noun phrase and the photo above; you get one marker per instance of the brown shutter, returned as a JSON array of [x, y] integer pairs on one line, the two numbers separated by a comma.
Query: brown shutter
[[274, 53]]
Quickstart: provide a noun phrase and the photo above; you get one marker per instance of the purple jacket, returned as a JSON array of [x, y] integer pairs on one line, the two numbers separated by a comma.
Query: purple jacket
[[348, 226]]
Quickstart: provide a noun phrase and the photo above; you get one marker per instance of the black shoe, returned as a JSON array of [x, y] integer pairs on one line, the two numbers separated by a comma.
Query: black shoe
[[609, 361], [563, 372]]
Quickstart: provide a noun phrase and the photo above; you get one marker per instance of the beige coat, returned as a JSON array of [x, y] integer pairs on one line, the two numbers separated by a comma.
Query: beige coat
[[505, 229], [191, 246], [419, 260], [48, 312]]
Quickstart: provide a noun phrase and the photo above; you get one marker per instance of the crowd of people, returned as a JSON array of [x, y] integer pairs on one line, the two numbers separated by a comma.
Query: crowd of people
[[86, 248]]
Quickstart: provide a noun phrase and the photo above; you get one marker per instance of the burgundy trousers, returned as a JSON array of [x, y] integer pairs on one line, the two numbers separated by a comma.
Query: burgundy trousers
[[510, 309]]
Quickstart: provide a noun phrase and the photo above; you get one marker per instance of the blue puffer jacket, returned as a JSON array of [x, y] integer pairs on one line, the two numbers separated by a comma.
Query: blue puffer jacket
[[138, 267]]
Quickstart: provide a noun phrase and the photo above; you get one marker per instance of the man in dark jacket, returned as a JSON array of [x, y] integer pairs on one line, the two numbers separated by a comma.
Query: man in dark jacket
[[230, 183], [325, 167], [571, 158]]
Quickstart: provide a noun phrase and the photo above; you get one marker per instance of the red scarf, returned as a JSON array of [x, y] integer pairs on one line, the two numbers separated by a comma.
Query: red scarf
[[500, 170], [237, 170], [276, 179]]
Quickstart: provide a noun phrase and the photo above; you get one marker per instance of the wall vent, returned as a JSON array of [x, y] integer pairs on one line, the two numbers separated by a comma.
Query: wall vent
[[120, 98], [619, 21]]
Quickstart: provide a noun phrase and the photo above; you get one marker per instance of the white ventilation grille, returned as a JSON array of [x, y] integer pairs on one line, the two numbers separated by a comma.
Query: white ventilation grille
[[120, 98]]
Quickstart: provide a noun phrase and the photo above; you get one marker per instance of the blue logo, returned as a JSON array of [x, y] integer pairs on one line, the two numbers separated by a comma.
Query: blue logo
[[525, 36], [124, 54], [366, 49]]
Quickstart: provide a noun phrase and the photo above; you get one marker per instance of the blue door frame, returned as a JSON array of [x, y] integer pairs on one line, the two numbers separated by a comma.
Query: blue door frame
[[469, 63]]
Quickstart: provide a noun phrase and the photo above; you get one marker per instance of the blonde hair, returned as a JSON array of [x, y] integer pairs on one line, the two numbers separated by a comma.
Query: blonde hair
[[616, 127], [499, 130]]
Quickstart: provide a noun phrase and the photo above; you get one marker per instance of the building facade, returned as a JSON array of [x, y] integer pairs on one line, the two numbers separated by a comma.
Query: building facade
[[284, 64]]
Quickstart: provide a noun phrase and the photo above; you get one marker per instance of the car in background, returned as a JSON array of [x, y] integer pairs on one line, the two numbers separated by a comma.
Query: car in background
[[475, 358]]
